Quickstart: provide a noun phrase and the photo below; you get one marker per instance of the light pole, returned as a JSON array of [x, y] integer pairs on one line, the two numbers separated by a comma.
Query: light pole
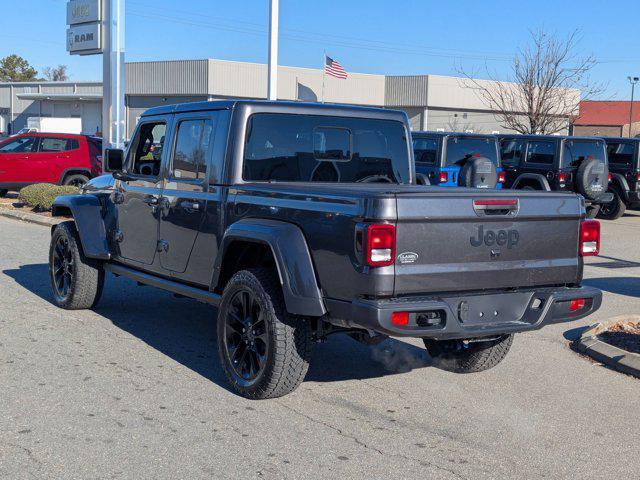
[[272, 75], [633, 81]]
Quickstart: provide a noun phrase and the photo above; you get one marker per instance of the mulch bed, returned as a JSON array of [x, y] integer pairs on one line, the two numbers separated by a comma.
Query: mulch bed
[[623, 335], [11, 201]]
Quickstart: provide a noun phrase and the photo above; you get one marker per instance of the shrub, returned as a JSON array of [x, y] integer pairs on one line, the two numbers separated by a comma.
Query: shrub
[[40, 196]]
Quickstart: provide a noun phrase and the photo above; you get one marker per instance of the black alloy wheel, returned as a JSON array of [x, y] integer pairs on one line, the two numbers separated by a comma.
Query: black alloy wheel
[[246, 337], [62, 268]]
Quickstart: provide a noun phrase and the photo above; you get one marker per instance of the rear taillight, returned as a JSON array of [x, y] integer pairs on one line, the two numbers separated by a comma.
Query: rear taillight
[[444, 177], [502, 177], [590, 238], [562, 177], [610, 177], [577, 304], [638, 177], [381, 245], [400, 318]]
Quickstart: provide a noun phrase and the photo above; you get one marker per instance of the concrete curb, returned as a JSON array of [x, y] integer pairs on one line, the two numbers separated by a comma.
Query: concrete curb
[[29, 217], [613, 357]]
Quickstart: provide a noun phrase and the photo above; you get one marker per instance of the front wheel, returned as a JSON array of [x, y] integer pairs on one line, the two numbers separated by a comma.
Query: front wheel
[[468, 357], [76, 281], [263, 349], [614, 209]]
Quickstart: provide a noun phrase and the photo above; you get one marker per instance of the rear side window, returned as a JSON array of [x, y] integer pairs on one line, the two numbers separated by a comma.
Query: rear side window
[[574, 152], [425, 150], [511, 152], [620, 153], [541, 153], [317, 148], [460, 149], [191, 151], [51, 144]]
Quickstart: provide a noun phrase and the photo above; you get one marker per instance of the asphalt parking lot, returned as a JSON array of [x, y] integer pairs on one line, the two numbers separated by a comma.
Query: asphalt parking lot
[[134, 390]]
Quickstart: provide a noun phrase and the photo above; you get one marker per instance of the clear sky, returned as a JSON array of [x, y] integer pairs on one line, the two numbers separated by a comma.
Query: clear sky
[[370, 36]]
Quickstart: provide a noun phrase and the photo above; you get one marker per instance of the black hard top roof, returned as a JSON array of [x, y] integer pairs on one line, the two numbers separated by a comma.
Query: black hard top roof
[[547, 137], [452, 134], [288, 106]]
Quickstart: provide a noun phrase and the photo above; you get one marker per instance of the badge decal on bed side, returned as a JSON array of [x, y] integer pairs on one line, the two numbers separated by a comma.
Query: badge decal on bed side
[[407, 257]]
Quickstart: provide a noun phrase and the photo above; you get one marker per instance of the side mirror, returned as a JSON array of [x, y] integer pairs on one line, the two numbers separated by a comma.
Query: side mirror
[[113, 160]]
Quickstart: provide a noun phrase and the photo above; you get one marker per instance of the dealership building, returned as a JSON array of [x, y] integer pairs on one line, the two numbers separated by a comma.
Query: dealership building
[[432, 102]]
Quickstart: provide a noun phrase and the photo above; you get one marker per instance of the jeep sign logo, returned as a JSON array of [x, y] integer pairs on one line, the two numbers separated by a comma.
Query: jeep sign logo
[[490, 238]]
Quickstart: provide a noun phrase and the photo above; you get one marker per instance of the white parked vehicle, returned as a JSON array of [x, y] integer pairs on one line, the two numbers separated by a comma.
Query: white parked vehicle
[[54, 125]]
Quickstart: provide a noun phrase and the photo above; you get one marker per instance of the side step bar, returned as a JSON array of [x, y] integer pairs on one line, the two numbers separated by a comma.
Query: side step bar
[[175, 287]]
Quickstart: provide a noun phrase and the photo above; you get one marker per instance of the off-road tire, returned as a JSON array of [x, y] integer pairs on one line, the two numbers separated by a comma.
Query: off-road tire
[[584, 178], [470, 358], [3, 193], [289, 337], [77, 179], [614, 209], [87, 277]]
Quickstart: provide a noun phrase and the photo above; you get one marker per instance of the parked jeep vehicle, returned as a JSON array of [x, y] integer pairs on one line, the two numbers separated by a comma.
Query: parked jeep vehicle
[[558, 163], [458, 159], [624, 165], [60, 158], [303, 220]]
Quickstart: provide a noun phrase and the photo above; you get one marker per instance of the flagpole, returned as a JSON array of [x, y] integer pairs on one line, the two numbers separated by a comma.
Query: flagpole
[[324, 73]]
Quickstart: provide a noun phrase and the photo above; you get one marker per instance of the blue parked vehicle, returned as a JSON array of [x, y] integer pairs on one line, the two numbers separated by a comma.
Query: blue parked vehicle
[[458, 159]]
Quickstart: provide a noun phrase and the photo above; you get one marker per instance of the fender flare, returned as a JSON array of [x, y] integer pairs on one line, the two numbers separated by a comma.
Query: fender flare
[[541, 179], [619, 181], [86, 211], [302, 295]]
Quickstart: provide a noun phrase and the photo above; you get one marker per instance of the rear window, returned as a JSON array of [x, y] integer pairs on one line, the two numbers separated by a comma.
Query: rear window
[[460, 149], [425, 150], [315, 148], [620, 153], [574, 152]]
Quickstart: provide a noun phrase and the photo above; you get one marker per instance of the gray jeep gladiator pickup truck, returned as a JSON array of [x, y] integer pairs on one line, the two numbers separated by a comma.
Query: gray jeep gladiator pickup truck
[[303, 220]]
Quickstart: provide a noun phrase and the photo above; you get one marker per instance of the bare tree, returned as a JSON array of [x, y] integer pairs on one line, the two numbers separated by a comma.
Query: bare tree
[[56, 74], [456, 126], [546, 85]]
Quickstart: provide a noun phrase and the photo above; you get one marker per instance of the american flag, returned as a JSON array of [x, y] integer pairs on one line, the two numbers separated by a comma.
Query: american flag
[[333, 68]]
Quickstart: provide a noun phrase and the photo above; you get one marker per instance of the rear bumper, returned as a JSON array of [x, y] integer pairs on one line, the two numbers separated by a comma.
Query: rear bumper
[[604, 198], [468, 316]]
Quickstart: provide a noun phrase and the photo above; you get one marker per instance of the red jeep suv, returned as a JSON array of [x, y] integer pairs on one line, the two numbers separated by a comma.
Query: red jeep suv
[[59, 158]]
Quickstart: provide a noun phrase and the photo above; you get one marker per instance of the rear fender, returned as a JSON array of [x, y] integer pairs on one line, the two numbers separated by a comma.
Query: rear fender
[[295, 268], [536, 177], [87, 214], [620, 182]]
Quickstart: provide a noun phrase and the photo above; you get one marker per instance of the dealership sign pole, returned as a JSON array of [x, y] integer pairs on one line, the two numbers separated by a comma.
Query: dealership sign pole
[[97, 27], [272, 75]]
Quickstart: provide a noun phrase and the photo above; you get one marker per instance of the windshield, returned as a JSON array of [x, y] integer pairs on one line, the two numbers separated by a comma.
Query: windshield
[[574, 152], [316, 148], [460, 149]]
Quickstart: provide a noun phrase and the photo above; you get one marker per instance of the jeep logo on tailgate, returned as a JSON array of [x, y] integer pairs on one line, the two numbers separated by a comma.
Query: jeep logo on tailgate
[[490, 238]]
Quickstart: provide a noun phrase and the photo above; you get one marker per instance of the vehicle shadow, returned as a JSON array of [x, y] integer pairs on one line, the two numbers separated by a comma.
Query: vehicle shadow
[[184, 330], [629, 286]]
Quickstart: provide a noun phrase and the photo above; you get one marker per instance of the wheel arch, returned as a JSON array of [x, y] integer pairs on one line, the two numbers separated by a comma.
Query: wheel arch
[[74, 171], [529, 178], [249, 240], [86, 212]]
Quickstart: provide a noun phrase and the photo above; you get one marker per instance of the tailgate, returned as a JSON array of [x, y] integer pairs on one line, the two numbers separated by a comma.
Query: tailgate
[[451, 242]]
